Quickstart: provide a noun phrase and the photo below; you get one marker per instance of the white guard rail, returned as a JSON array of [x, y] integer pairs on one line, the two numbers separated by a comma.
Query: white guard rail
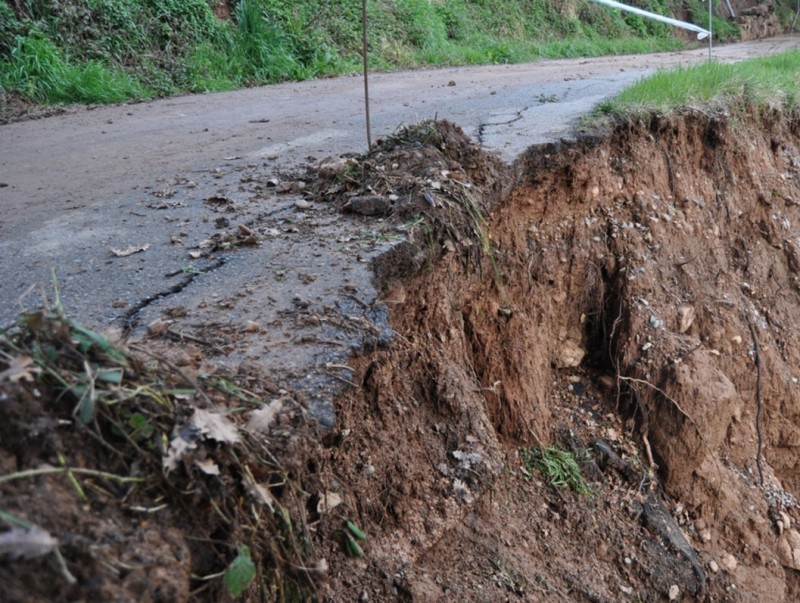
[[702, 34]]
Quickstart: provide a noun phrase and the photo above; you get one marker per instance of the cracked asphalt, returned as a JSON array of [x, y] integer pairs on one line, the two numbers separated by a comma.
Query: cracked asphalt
[[76, 185]]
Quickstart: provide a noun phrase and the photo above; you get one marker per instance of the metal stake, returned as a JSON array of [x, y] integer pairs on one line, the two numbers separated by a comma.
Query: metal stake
[[710, 31], [366, 69]]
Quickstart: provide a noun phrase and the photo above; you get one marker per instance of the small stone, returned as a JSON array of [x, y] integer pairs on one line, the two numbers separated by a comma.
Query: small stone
[[705, 535], [369, 470], [570, 355], [302, 204], [626, 589], [736, 340], [157, 328], [674, 592], [251, 327], [729, 562], [713, 566], [369, 205], [685, 318]]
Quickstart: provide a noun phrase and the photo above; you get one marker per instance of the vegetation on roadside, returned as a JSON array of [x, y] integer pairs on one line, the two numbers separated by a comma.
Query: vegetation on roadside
[[111, 50], [773, 80], [129, 432]]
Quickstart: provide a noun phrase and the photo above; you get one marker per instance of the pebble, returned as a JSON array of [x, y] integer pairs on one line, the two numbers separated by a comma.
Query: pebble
[[713, 566], [729, 562], [674, 592], [302, 204]]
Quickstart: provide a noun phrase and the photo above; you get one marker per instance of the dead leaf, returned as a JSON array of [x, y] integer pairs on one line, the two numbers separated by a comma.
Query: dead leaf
[[215, 426], [177, 448], [328, 501], [19, 543], [220, 201], [208, 466], [259, 491], [261, 419], [19, 369], [130, 250]]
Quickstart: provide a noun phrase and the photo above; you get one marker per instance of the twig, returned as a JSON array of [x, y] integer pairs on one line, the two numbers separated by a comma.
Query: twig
[[757, 362], [181, 336], [76, 470]]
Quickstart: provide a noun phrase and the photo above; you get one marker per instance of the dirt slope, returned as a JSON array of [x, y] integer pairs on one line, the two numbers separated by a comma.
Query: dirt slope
[[656, 269], [630, 297]]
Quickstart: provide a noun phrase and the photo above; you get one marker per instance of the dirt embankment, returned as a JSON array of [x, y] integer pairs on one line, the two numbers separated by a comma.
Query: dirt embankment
[[640, 288], [631, 298]]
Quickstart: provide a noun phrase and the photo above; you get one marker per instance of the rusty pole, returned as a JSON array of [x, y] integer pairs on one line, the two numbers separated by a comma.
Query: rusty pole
[[366, 69]]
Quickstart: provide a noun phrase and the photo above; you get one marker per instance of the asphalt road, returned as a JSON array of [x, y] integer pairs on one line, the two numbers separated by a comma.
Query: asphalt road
[[75, 185]]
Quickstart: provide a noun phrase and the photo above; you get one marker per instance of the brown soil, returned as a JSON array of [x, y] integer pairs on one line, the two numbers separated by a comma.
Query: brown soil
[[629, 297]]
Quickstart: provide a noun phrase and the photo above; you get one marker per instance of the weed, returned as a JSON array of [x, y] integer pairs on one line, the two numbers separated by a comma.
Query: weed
[[558, 467]]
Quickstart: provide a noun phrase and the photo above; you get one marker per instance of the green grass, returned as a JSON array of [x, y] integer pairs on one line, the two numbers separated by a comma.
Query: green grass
[[38, 70], [558, 467], [771, 80]]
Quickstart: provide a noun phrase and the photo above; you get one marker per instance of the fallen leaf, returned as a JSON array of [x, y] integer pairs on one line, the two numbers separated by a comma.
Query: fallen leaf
[[219, 200], [177, 448], [208, 466], [215, 426], [240, 573], [328, 501], [21, 368], [19, 543], [260, 420], [130, 250], [261, 493]]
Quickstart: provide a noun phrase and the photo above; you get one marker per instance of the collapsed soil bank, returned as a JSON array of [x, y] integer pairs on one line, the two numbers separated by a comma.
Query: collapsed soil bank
[[657, 265]]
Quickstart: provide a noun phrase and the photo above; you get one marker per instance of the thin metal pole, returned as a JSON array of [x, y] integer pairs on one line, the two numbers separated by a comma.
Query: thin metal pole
[[710, 31], [366, 69]]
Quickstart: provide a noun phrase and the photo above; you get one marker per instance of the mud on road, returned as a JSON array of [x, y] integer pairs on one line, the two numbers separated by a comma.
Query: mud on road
[[404, 337]]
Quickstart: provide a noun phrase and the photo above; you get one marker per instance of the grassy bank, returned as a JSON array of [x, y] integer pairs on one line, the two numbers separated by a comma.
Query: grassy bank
[[111, 50], [773, 81]]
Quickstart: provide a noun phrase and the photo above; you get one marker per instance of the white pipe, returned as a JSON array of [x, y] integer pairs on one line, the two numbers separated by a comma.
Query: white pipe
[[702, 34]]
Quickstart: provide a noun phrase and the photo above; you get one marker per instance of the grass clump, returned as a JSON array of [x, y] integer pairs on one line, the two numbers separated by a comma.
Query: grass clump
[[771, 80], [559, 468], [39, 71]]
